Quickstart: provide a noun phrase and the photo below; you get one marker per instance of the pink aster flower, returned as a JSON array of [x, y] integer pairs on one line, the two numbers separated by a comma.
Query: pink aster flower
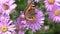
[[46, 27], [20, 23], [54, 15], [6, 27], [13, 32], [34, 19], [8, 6], [2, 12], [37, 1], [50, 3], [21, 32], [29, 1], [3, 1], [4, 17]]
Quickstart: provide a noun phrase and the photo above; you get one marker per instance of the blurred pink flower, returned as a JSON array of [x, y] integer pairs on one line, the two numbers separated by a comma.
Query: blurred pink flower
[[46, 27], [6, 27], [29, 1], [8, 6], [14, 32], [50, 3]]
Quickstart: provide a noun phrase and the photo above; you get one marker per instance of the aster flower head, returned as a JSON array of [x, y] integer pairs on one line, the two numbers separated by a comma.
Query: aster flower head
[[3, 1], [13, 32], [20, 23], [21, 32], [50, 3], [54, 15], [3, 12], [34, 19], [4, 17], [21, 19], [29, 1], [37, 1], [8, 6], [46, 27], [6, 27]]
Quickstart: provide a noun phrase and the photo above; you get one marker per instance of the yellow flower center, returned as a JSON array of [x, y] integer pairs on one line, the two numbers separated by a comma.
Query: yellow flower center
[[51, 1], [56, 12], [4, 28], [6, 7]]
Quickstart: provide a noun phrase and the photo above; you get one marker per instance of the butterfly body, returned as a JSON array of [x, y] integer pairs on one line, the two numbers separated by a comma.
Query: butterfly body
[[30, 12]]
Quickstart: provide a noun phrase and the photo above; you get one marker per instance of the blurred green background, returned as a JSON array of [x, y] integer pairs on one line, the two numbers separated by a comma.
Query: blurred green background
[[54, 28]]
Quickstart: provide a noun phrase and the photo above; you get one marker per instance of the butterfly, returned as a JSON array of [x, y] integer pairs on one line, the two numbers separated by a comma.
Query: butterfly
[[30, 12]]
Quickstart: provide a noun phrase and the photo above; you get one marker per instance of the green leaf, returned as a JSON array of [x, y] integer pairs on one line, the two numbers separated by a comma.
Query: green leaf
[[21, 4], [30, 32]]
